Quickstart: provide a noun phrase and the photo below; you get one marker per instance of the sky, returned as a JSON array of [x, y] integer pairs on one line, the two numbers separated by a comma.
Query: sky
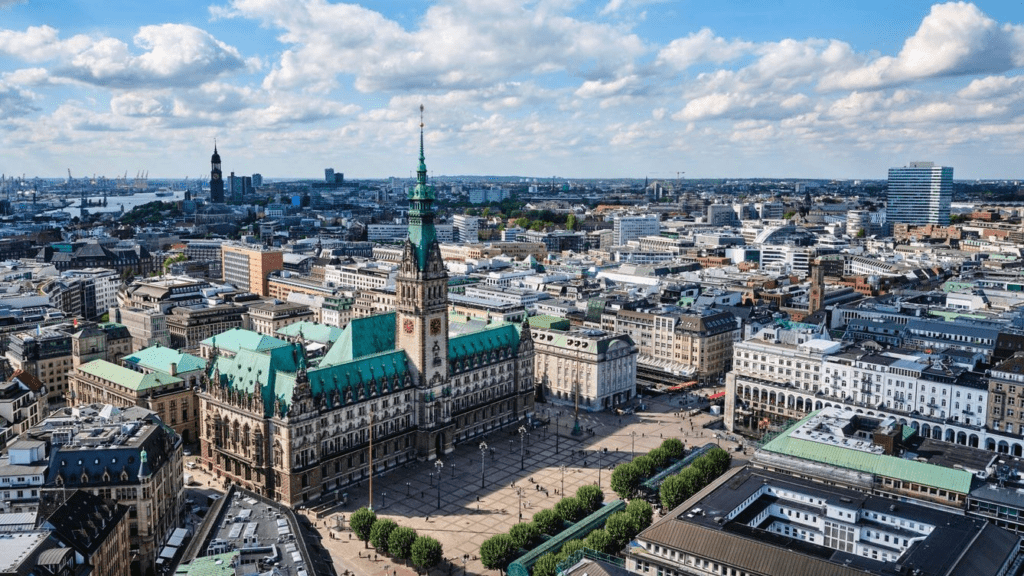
[[545, 88]]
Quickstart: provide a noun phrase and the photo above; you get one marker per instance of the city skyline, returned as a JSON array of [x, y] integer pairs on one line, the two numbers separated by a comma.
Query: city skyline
[[603, 89]]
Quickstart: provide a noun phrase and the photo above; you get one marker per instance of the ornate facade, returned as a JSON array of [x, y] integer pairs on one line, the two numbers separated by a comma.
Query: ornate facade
[[297, 431]]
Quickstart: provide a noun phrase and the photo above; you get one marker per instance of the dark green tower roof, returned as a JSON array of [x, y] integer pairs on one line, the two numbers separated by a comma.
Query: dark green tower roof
[[421, 210]]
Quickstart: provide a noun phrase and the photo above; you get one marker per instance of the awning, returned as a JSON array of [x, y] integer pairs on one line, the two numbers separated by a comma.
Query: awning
[[681, 386], [716, 396]]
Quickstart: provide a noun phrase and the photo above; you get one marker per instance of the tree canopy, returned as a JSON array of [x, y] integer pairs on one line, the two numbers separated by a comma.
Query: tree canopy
[[362, 521]]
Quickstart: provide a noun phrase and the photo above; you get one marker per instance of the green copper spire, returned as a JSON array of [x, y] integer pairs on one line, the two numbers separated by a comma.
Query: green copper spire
[[421, 210]]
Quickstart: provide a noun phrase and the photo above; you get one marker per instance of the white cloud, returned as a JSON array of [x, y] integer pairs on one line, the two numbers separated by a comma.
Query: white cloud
[[700, 47], [993, 87], [458, 44], [40, 43], [955, 39], [173, 55]]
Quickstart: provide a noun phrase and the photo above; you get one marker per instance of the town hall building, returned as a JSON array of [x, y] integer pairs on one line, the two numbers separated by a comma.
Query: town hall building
[[403, 382]]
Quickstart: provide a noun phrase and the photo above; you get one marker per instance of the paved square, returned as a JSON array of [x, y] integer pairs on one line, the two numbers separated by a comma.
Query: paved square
[[469, 514]]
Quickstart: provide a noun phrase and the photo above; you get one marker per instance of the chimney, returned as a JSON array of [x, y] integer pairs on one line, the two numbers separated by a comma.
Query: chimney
[[174, 368]]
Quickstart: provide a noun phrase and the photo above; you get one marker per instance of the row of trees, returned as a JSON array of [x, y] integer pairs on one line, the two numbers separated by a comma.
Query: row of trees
[[498, 551], [628, 476], [399, 542], [619, 529], [678, 488]]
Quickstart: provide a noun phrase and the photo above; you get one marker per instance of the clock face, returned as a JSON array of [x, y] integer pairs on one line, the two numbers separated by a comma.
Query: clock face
[[435, 326], [407, 326]]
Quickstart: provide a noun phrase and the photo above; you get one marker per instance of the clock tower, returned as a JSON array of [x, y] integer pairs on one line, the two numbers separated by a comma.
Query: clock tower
[[216, 178], [421, 327]]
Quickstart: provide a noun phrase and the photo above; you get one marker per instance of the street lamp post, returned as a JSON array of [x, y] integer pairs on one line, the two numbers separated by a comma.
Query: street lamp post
[[600, 463], [483, 453], [522, 448], [453, 470], [383, 499], [407, 489], [632, 445], [562, 468], [440, 466]]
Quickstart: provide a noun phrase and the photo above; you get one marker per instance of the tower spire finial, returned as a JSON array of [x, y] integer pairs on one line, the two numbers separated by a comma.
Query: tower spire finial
[[422, 157], [214, 144]]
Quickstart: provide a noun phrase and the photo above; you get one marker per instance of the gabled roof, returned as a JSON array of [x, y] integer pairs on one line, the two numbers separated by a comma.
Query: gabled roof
[[235, 339], [160, 358], [261, 373], [82, 521], [363, 337], [493, 337], [130, 379], [312, 332], [28, 379]]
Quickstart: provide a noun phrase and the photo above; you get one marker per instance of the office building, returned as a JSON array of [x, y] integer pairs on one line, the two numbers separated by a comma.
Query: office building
[[46, 354], [626, 228], [755, 522], [128, 455], [593, 367], [920, 194], [467, 228], [247, 267]]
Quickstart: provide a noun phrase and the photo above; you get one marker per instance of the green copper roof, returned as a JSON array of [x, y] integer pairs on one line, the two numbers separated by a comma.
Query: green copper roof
[[362, 337], [493, 337], [549, 322], [312, 332], [160, 358], [879, 464], [130, 379], [259, 372], [385, 372], [235, 339], [422, 233]]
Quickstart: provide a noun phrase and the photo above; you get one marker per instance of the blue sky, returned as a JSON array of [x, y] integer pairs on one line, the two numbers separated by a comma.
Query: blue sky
[[569, 88]]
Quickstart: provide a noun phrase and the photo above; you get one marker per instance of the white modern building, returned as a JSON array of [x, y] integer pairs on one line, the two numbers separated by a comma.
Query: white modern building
[[626, 228], [920, 193]]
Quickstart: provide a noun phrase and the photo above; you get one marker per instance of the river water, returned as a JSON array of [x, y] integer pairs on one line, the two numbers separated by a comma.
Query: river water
[[114, 203]]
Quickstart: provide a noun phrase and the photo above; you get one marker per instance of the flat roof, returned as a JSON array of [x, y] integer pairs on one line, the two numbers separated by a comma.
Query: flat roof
[[879, 464]]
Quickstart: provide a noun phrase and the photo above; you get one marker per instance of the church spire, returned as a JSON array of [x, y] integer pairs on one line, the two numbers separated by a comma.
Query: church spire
[[422, 233]]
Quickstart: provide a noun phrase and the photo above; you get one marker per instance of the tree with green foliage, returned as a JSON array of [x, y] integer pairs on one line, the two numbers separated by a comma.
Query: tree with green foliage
[[622, 527], [571, 223], [524, 534], [645, 466], [862, 233], [571, 509], [400, 542], [674, 447], [426, 553], [546, 565], [380, 532], [497, 552], [673, 492], [601, 541], [626, 480], [572, 546], [641, 510], [590, 496], [362, 521], [659, 457], [548, 522]]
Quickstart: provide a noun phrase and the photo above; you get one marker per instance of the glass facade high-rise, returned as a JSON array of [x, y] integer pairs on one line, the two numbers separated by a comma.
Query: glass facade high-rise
[[920, 194]]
